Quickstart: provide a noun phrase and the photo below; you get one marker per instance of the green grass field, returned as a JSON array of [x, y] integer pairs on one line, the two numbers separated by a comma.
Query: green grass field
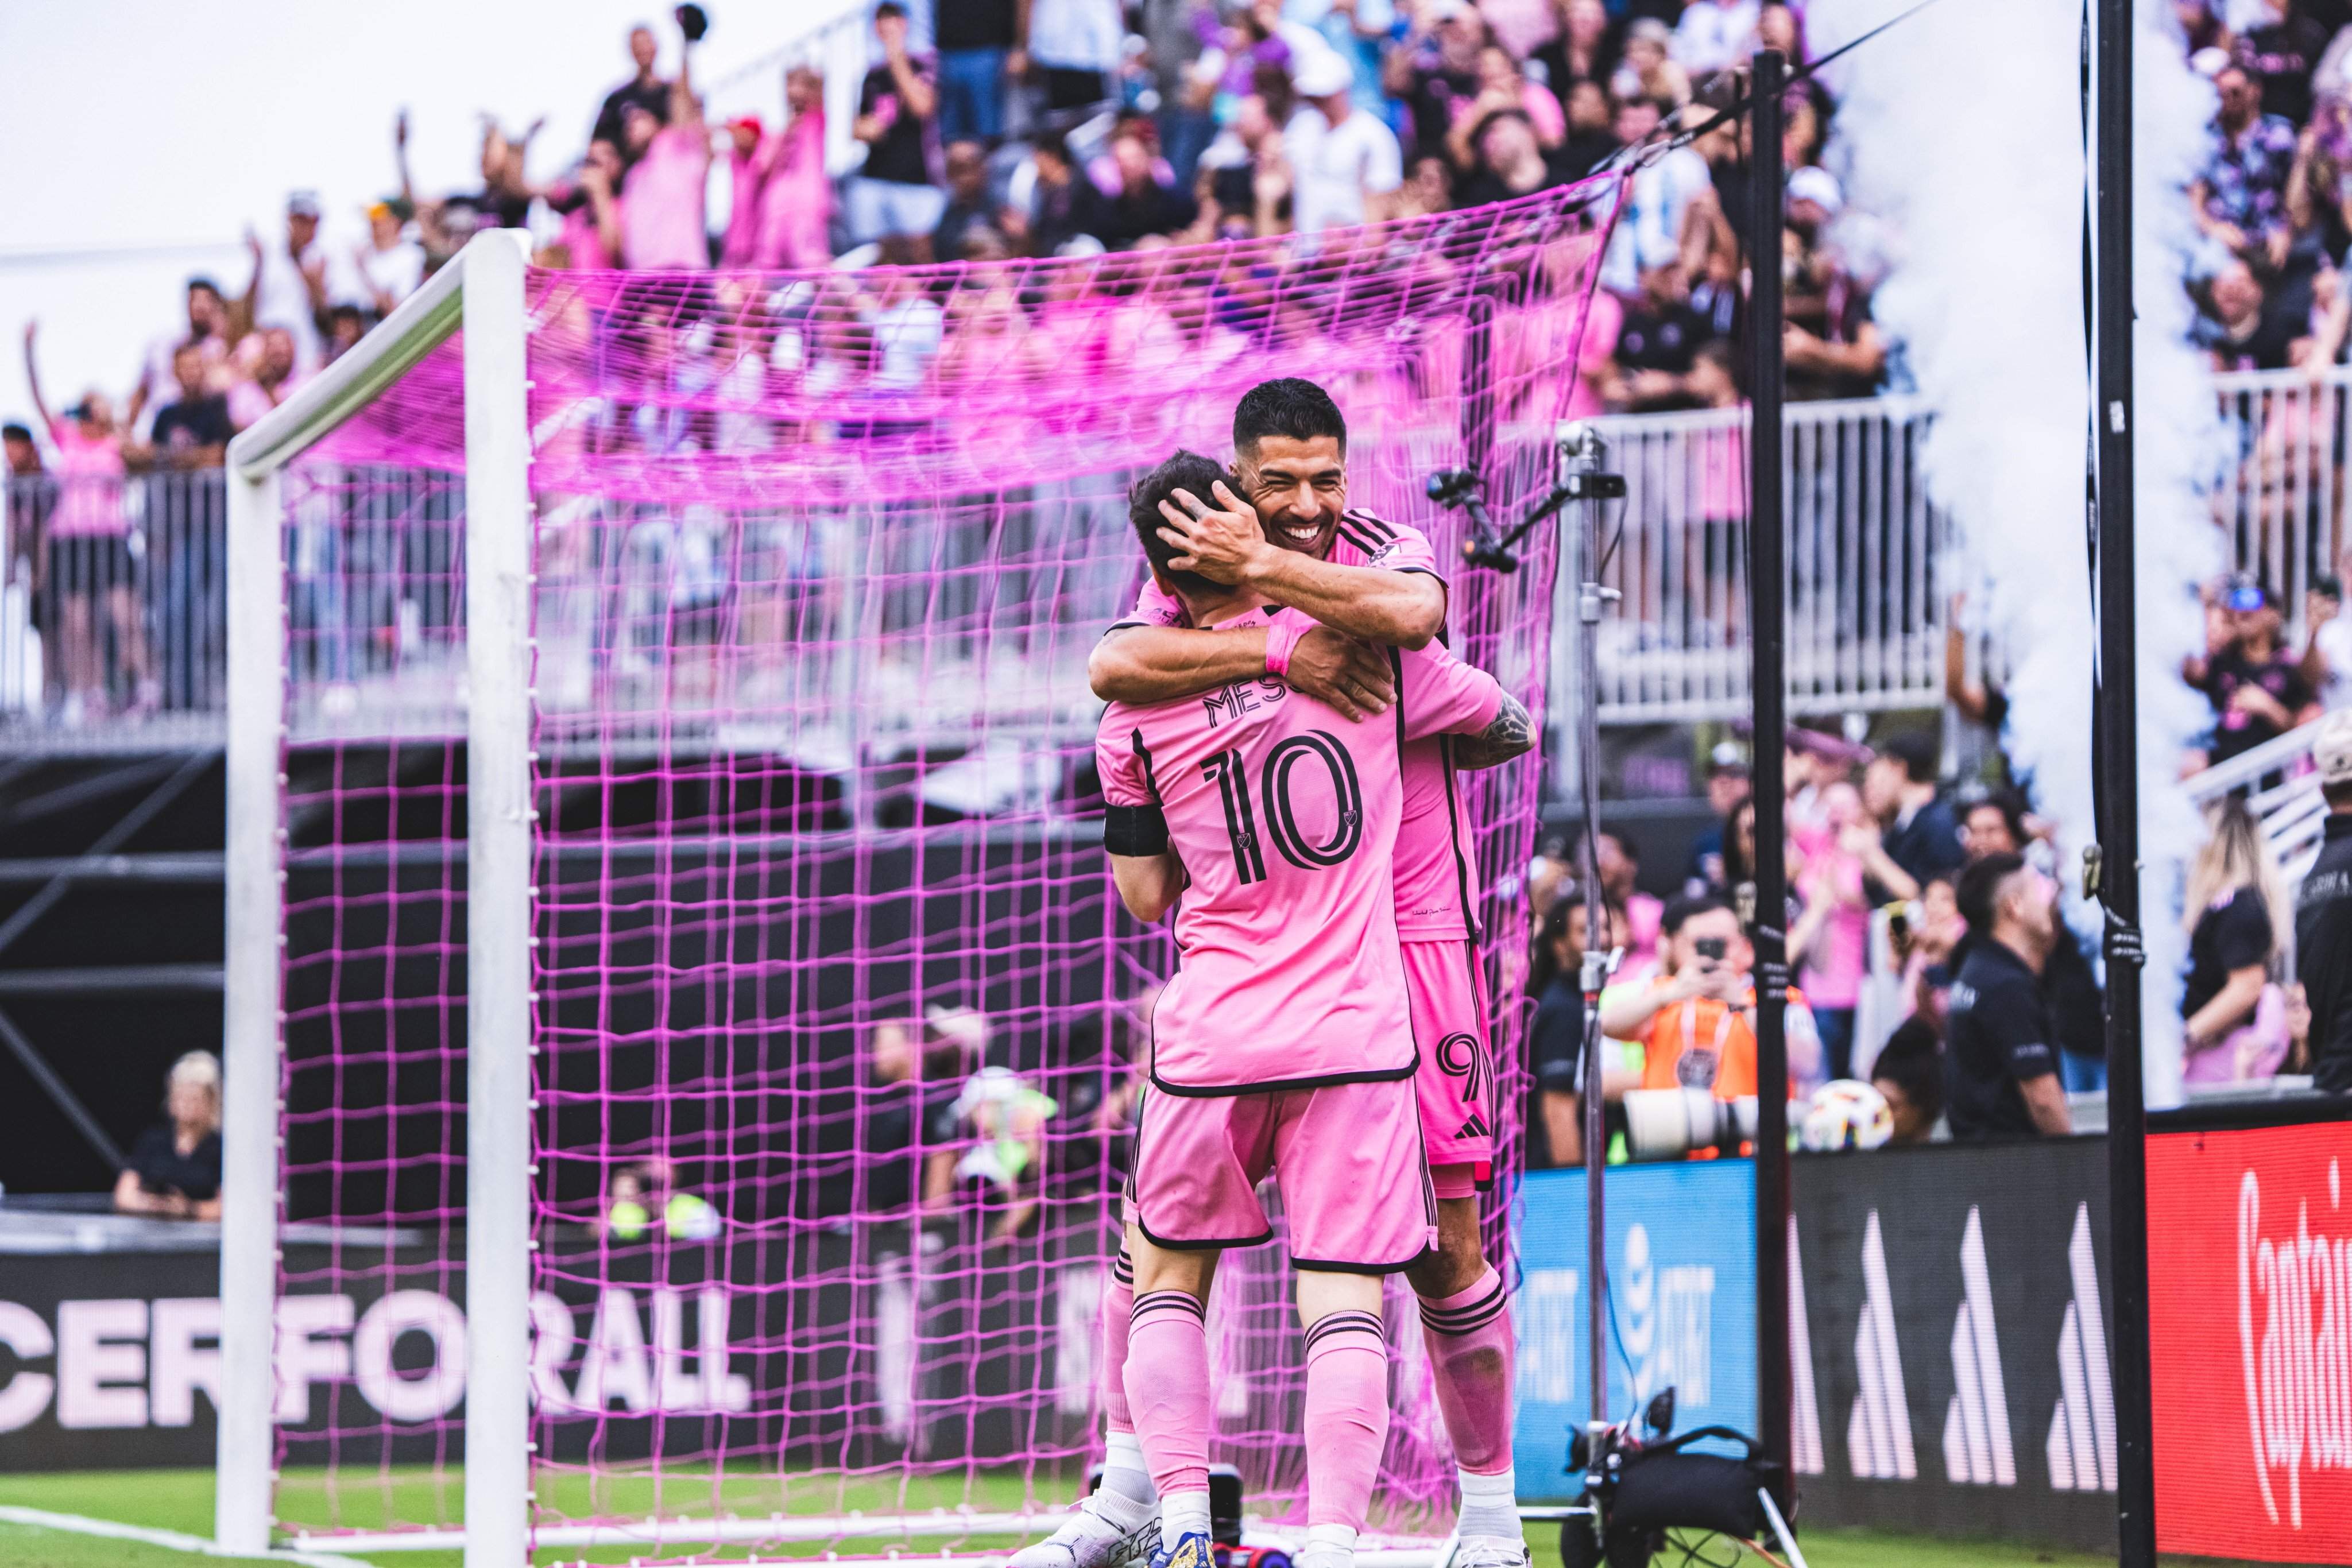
[[182, 1501]]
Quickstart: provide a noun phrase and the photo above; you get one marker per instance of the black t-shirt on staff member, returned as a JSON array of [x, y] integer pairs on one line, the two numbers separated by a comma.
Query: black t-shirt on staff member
[[1926, 844], [2323, 954], [1485, 186], [1998, 1036], [2234, 729], [1555, 1037], [653, 96], [973, 24], [191, 423], [898, 154], [2233, 933], [162, 1168]]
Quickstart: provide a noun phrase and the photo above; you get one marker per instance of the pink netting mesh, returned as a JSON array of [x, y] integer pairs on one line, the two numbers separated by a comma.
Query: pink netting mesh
[[835, 1008]]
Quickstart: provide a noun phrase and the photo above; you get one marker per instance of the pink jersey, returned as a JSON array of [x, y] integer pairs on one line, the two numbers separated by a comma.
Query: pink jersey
[[661, 225], [1433, 860], [89, 484], [1289, 975]]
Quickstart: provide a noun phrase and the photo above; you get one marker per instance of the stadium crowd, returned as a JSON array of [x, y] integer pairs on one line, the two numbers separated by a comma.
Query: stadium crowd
[[1021, 127], [1005, 129], [1000, 129], [1930, 954]]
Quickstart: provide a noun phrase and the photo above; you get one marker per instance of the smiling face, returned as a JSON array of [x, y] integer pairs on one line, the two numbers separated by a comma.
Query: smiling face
[[1300, 488]]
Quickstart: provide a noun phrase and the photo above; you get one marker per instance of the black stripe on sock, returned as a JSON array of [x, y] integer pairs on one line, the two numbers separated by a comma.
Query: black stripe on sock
[[1167, 1301], [1345, 1323], [1122, 1268], [1463, 1320]]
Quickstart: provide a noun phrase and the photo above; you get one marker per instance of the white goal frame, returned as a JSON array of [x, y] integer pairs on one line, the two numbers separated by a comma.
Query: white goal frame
[[481, 291]]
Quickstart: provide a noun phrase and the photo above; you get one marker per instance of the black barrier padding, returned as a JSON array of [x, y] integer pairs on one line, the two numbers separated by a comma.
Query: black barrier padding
[[2028, 1198]]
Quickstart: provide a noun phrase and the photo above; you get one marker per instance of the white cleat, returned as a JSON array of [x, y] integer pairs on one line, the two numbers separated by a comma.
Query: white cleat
[[1485, 1552], [1089, 1540]]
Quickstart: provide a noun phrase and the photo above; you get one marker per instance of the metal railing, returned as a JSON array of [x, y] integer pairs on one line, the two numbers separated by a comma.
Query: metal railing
[[2279, 490], [2281, 790], [1864, 596], [112, 619]]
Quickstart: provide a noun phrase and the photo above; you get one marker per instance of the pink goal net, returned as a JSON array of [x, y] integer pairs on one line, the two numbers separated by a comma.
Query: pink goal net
[[836, 1016]]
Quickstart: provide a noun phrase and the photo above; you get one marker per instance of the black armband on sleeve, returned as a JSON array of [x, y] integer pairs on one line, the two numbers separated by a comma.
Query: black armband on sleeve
[[1139, 831]]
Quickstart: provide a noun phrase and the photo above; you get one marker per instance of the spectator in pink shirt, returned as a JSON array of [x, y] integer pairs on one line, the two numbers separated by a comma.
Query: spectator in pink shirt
[[783, 200], [663, 228], [746, 172], [89, 558], [797, 202]]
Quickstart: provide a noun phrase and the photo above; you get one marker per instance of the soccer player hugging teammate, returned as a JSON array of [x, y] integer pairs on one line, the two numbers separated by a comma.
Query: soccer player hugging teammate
[[1376, 583]]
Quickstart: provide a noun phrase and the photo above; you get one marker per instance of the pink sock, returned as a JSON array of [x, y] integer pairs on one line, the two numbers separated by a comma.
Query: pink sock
[[1117, 1307], [1347, 1416], [1470, 1355], [1167, 1373]]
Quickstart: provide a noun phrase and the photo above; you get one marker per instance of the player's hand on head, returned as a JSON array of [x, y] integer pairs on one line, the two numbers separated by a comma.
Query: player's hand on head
[[1220, 538], [1349, 674]]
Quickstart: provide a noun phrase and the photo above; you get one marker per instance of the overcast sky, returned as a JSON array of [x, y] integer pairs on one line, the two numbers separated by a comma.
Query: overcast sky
[[144, 136]]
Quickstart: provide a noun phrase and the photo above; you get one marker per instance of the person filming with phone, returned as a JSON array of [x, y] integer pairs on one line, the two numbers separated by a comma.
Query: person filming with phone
[[1696, 1021]]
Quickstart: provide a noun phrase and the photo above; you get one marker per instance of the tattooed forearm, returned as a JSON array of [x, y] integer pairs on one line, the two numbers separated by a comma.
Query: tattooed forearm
[[1512, 733]]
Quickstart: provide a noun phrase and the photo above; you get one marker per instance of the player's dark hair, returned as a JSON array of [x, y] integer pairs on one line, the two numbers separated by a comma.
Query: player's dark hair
[[1290, 407], [11, 431], [1913, 1061], [1915, 752], [1691, 904], [1978, 890], [1184, 471]]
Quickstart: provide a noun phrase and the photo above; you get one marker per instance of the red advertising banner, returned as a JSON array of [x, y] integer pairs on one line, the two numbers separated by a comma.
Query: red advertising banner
[[2250, 1274]]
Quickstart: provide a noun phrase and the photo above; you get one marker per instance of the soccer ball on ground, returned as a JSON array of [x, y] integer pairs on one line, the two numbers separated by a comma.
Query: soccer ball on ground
[[1846, 1114]]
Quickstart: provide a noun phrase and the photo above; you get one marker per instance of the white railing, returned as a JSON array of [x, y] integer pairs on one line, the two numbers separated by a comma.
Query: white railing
[[1869, 580], [2281, 790], [112, 616], [1868, 585], [1865, 594], [2279, 490]]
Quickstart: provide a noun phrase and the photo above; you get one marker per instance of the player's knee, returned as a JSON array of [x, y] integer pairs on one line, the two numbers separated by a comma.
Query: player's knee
[[1450, 1267]]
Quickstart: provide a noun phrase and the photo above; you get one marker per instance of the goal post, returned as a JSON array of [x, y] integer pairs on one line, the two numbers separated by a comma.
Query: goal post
[[679, 1021], [481, 291]]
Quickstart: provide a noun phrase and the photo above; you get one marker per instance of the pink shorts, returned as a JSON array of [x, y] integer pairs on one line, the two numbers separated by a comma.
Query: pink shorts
[[1455, 1086], [1347, 1158]]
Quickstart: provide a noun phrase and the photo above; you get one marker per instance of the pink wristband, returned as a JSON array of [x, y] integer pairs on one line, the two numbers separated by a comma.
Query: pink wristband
[[1281, 640]]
